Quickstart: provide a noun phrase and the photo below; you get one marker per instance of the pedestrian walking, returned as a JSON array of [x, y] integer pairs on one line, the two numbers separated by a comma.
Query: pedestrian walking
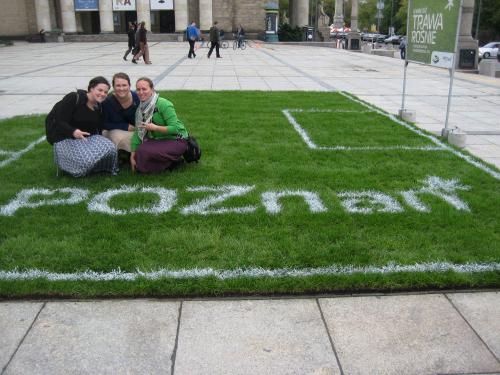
[[132, 29], [214, 40], [240, 35], [192, 34], [402, 48], [143, 45]]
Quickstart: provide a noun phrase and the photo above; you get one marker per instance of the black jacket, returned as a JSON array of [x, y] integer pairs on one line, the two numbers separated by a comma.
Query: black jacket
[[72, 113]]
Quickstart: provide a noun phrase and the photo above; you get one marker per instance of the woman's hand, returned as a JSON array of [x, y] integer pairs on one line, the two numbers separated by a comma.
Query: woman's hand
[[149, 126], [131, 128], [78, 134], [152, 127], [132, 161]]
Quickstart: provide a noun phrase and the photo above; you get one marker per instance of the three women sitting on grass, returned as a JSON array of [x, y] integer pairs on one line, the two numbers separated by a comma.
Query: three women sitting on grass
[[144, 124]]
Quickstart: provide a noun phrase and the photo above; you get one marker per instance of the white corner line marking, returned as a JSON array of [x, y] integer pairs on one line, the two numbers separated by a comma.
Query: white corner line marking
[[163, 273], [17, 154], [467, 158], [305, 136]]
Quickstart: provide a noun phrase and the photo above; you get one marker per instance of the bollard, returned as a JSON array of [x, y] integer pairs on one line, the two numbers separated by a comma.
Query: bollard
[[407, 115], [457, 137]]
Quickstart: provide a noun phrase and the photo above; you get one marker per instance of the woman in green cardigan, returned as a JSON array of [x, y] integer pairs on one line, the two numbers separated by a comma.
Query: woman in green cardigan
[[160, 137]]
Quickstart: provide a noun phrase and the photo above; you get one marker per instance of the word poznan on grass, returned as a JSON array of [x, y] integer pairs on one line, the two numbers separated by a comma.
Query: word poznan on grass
[[361, 202]]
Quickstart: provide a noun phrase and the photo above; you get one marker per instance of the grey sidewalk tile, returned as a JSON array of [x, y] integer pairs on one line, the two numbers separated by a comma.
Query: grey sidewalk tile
[[413, 334], [485, 151], [482, 311], [15, 320], [253, 337], [114, 337]]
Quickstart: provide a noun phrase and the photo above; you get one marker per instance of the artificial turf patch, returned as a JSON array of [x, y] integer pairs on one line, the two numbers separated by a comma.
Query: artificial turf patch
[[292, 218]]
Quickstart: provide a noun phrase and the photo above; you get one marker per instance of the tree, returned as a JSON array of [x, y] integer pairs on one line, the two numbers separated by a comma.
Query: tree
[[489, 23], [401, 17], [366, 14]]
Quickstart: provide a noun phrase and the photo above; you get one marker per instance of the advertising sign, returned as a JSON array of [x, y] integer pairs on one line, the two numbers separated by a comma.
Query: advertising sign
[[124, 5], [161, 4], [86, 5], [432, 31]]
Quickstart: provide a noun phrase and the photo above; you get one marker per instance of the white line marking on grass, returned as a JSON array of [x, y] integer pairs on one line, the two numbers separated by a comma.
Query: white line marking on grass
[[299, 129], [17, 154], [467, 158], [305, 137], [163, 273], [3, 152]]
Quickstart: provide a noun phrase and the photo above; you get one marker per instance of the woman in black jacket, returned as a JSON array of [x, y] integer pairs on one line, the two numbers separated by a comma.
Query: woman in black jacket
[[132, 28], [74, 126]]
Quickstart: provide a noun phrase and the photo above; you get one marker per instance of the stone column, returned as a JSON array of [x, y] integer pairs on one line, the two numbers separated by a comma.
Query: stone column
[[295, 13], [106, 16], [68, 16], [42, 10], [338, 18], [181, 15], [354, 16], [302, 12], [144, 13], [291, 13], [465, 32], [206, 20], [466, 43]]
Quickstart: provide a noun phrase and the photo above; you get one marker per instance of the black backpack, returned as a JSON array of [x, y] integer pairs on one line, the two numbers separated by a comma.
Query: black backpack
[[193, 151]]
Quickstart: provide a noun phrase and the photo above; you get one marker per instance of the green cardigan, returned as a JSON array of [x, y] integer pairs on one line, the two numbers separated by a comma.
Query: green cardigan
[[165, 116]]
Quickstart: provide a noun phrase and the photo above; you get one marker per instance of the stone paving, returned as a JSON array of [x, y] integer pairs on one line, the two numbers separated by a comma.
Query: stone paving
[[442, 333], [434, 333]]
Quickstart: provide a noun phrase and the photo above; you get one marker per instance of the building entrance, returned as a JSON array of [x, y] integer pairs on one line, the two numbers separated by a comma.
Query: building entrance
[[163, 21]]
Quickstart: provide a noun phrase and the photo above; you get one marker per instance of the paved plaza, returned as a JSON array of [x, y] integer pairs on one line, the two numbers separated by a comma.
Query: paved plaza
[[415, 333]]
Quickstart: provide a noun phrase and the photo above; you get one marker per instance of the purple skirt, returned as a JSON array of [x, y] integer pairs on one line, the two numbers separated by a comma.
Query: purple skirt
[[154, 156]]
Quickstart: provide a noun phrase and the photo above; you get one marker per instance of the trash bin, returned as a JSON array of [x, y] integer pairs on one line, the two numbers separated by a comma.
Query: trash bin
[[308, 33], [467, 59]]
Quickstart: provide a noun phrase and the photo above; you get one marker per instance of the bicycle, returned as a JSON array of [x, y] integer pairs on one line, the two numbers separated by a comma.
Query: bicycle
[[223, 44], [242, 44]]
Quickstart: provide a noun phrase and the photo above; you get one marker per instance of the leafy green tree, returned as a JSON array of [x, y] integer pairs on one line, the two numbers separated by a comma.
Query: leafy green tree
[[401, 17], [367, 15], [489, 22]]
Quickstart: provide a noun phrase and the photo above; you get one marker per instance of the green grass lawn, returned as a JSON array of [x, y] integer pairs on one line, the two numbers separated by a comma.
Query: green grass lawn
[[360, 212]]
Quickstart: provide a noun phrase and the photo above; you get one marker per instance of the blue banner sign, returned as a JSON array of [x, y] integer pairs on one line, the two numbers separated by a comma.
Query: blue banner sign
[[86, 5]]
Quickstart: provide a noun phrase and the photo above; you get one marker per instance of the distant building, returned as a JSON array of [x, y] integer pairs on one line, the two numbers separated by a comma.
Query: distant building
[[24, 17]]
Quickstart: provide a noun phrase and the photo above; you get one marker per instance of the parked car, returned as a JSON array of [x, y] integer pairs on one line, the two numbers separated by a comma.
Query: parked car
[[394, 39], [489, 50], [369, 37], [381, 38]]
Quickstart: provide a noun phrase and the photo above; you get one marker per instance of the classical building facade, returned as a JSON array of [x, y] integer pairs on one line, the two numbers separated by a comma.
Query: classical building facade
[[25, 17]]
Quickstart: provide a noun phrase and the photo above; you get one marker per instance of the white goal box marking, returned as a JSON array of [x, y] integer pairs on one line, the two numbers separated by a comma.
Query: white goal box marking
[[309, 142]]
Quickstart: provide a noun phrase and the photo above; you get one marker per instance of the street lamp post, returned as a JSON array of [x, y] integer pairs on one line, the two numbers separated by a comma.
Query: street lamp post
[[380, 7]]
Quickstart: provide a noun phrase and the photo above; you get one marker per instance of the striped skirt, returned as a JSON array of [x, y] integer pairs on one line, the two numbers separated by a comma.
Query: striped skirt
[[80, 157]]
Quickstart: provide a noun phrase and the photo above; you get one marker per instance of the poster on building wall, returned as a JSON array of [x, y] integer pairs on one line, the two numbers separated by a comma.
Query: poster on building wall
[[86, 5], [124, 5], [161, 4], [432, 31]]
